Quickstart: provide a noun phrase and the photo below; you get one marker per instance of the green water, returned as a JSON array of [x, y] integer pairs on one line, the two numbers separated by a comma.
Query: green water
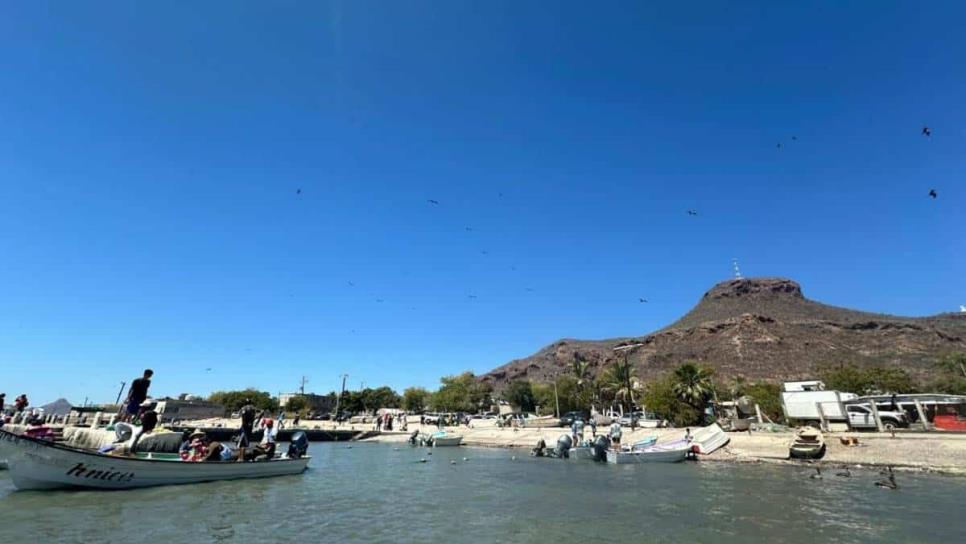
[[374, 493]]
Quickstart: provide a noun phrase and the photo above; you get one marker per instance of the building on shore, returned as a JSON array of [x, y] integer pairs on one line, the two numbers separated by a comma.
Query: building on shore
[[320, 404], [187, 408]]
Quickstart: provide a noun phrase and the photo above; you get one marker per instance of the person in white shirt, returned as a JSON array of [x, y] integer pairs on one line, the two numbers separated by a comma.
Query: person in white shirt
[[267, 445]]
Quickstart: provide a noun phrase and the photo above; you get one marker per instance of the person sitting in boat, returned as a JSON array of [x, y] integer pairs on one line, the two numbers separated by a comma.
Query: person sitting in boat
[[267, 446], [615, 434], [220, 452], [37, 429], [197, 446]]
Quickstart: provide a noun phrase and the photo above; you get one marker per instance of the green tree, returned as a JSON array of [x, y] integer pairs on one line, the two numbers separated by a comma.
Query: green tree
[[233, 400], [660, 398], [852, 378], [297, 404], [693, 385], [768, 397], [461, 393], [380, 397], [952, 375], [414, 399], [618, 382], [520, 393]]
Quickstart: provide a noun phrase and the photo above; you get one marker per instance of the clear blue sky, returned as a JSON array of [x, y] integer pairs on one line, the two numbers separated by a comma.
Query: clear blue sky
[[150, 158]]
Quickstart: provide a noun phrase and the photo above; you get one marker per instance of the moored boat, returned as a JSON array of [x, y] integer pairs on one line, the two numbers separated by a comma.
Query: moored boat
[[444, 438], [670, 452], [808, 444], [710, 438], [41, 464]]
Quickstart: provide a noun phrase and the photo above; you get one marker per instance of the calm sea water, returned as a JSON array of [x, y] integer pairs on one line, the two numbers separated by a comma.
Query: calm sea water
[[376, 493]]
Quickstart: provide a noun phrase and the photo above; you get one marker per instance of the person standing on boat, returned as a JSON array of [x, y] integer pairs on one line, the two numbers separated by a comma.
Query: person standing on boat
[[579, 431], [248, 417], [615, 434], [136, 395]]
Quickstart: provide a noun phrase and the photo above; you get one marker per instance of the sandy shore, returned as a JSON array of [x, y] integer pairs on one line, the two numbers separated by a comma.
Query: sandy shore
[[934, 452]]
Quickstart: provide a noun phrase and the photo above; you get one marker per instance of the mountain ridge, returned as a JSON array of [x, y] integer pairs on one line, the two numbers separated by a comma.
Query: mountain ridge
[[759, 328]]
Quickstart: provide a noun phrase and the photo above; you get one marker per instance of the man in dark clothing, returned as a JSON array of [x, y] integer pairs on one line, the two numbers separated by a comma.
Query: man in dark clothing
[[248, 417], [137, 394]]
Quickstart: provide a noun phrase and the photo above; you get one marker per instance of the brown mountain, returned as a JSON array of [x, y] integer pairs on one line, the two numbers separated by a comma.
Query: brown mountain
[[759, 328]]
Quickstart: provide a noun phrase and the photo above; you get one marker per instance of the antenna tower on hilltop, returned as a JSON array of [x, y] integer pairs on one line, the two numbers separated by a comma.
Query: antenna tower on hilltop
[[734, 264]]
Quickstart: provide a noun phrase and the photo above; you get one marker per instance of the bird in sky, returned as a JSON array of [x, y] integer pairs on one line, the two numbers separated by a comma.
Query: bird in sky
[[298, 191], [529, 289], [779, 145], [208, 369], [351, 283], [471, 296], [469, 229], [926, 131], [485, 252], [434, 202], [379, 300], [795, 138], [692, 212], [501, 195], [644, 300], [933, 193]]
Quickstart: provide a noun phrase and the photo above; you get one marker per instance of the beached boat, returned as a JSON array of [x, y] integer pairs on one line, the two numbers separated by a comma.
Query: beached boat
[[808, 444], [442, 439], [708, 439], [645, 442], [537, 422], [670, 452], [41, 464]]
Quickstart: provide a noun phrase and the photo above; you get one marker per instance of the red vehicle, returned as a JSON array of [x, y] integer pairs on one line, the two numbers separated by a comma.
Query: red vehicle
[[950, 417]]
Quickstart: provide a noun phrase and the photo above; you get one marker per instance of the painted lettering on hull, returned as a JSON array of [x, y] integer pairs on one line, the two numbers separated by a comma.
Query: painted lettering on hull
[[81, 471]]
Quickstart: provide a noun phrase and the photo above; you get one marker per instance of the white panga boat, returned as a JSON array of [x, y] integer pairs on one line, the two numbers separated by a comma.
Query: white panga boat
[[670, 452], [710, 438], [41, 464], [808, 444], [442, 438]]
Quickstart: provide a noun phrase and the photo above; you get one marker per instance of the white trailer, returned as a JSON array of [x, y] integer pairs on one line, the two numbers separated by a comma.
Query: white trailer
[[815, 406]]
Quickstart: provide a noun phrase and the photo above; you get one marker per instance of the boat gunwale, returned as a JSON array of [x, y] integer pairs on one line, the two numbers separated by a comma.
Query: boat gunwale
[[72, 449]]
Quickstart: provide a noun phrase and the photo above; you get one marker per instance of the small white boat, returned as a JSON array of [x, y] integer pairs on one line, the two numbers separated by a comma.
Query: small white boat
[[710, 438], [537, 422], [808, 444], [40, 464], [442, 439], [671, 452]]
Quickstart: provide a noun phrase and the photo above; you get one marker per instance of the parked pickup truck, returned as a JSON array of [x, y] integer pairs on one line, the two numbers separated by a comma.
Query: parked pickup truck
[[860, 417]]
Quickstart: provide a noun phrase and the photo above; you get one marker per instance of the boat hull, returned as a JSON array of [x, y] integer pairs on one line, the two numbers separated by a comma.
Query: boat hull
[[35, 464], [806, 452], [670, 455], [448, 441]]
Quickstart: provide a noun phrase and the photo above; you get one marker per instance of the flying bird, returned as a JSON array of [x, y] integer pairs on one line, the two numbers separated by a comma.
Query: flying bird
[[485, 252], [795, 138], [501, 195], [208, 369], [692, 212], [779, 145], [298, 191], [932, 193], [469, 229], [642, 300], [471, 296], [352, 284], [434, 202], [378, 300], [926, 131], [529, 289]]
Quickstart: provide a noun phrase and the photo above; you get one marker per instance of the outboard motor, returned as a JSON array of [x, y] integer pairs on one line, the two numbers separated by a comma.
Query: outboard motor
[[563, 446], [601, 445], [298, 446], [123, 432]]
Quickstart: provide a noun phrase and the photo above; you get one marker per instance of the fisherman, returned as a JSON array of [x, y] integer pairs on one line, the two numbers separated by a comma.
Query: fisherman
[[248, 417], [615, 434], [579, 434], [197, 448], [21, 403], [267, 445], [137, 394]]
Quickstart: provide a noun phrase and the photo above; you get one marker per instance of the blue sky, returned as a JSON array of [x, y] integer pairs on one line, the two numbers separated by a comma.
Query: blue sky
[[150, 159]]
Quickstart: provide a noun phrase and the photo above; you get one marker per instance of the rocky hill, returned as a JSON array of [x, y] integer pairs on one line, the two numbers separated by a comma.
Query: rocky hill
[[759, 328]]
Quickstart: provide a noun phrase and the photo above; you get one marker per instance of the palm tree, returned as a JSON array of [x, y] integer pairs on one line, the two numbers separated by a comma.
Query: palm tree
[[581, 371], [619, 380], [692, 384]]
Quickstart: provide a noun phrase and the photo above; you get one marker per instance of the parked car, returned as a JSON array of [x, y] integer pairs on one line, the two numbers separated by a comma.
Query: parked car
[[566, 420], [860, 417]]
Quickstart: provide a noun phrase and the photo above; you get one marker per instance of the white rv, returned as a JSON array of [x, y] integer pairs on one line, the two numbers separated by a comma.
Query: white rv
[[808, 401]]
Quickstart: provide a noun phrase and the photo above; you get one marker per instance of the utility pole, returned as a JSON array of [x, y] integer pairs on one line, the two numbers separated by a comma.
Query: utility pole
[[556, 399], [338, 401], [119, 393], [302, 383]]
